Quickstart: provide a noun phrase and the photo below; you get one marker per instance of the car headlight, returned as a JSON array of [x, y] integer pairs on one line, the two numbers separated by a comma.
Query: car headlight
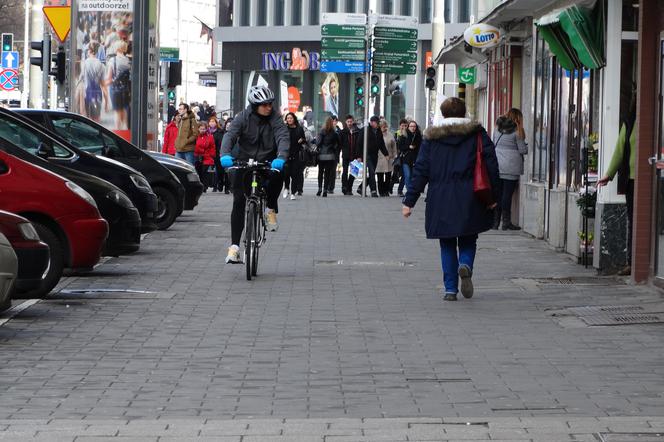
[[193, 177], [120, 199], [28, 232], [78, 190], [141, 183]]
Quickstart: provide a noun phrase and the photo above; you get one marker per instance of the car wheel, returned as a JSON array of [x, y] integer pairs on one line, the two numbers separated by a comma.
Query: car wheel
[[55, 266], [167, 208]]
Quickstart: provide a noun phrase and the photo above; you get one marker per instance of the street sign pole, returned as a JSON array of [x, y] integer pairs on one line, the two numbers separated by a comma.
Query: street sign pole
[[367, 96], [164, 107], [46, 77]]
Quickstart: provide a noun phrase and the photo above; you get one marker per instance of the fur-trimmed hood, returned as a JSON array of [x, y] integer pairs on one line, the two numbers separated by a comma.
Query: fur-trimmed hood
[[461, 127], [505, 125]]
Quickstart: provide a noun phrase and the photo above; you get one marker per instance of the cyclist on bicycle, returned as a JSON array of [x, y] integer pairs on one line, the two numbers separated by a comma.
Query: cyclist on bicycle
[[257, 133]]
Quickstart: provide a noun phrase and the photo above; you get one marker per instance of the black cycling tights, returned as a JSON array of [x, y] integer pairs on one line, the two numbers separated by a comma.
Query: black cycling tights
[[240, 186]]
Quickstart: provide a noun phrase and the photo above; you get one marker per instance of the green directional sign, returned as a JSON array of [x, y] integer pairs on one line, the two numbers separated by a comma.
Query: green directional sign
[[342, 54], [341, 43], [394, 68], [169, 54], [390, 45], [342, 31], [408, 57], [401, 33], [467, 75]]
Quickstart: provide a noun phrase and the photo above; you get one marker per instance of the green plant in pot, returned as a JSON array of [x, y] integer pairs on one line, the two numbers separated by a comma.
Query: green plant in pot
[[587, 200]]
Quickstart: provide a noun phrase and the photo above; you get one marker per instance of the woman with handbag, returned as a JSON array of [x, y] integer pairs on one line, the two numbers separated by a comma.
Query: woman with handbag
[[510, 141], [328, 149], [294, 170], [458, 162], [384, 165], [409, 147]]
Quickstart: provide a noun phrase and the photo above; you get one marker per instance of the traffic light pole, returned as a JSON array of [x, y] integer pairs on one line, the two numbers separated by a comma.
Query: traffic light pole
[[46, 67], [367, 92]]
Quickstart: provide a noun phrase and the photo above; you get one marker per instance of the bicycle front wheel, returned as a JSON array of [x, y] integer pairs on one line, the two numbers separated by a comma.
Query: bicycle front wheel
[[258, 225], [250, 237]]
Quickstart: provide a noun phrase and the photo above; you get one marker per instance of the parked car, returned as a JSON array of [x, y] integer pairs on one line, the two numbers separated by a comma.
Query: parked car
[[27, 135], [94, 138], [116, 208], [64, 215], [186, 173], [33, 255], [8, 272]]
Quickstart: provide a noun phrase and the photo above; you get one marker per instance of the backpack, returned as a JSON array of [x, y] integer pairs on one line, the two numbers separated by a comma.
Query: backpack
[[123, 80]]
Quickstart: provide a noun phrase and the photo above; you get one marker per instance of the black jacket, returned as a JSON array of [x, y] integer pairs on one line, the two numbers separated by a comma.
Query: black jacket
[[351, 150], [328, 145], [218, 135], [403, 143], [258, 138], [296, 133], [375, 142]]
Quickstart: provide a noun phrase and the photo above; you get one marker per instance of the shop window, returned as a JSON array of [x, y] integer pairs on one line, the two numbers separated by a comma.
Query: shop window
[[406, 7], [261, 19], [388, 7], [350, 5], [464, 11], [246, 13], [296, 16], [314, 12], [425, 11], [279, 12], [542, 111], [332, 6], [630, 16]]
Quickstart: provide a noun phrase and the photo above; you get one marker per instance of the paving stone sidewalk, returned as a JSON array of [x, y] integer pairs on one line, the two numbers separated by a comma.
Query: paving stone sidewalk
[[342, 337]]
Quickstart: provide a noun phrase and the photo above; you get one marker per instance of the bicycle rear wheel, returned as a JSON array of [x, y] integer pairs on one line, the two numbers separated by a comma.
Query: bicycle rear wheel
[[249, 237]]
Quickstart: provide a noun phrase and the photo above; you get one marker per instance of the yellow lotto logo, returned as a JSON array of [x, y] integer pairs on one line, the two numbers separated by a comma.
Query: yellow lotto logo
[[482, 36]]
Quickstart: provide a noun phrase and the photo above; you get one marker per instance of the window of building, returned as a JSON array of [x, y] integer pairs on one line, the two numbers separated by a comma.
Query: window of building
[[296, 16], [279, 12], [464, 11], [261, 19], [365, 8], [314, 12], [542, 108], [425, 11], [244, 17], [350, 5], [406, 7], [387, 6], [332, 6]]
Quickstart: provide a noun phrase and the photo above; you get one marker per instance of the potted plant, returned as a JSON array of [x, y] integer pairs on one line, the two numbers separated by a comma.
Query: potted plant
[[586, 247], [587, 200]]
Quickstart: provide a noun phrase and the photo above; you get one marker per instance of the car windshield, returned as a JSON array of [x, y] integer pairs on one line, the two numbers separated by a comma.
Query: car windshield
[[80, 135]]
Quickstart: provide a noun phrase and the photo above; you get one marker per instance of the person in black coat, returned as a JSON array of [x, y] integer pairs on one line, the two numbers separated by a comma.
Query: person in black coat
[[218, 135], [351, 142], [294, 170], [328, 150], [408, 144], [375, 143], [454, 215]]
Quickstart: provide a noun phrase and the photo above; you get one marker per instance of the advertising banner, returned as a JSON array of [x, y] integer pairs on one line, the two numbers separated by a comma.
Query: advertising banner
[[105, 5]]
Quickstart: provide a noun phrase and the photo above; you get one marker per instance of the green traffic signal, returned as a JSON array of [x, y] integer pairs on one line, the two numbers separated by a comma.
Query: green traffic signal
[[359, 91], [171, 95], [374, 89]]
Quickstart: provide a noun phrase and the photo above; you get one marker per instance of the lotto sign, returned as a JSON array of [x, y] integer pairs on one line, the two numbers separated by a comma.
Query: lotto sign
[[8, 79], [482, 35]]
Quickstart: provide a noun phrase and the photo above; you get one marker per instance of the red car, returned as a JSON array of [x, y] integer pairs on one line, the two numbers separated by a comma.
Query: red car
[[32, 253], [64, 215]]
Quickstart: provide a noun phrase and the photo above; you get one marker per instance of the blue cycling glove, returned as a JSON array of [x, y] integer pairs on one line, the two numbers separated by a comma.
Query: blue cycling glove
[[278, 164], [227, 161]]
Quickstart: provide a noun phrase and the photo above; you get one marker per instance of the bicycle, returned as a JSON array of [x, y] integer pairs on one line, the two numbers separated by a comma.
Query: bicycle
[[254, 216]]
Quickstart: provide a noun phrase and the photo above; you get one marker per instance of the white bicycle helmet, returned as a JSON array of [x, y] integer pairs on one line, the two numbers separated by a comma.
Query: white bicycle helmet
[[260, 95]]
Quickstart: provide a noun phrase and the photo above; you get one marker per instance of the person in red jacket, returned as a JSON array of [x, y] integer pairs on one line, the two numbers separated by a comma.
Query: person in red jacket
[[204, 154], [170, 135]]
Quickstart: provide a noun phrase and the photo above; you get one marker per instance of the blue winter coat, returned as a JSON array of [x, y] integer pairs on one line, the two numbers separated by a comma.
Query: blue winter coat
[[446, 163]]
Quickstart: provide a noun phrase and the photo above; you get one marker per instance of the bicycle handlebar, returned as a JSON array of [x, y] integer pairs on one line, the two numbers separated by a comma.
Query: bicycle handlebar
[[252, 164]]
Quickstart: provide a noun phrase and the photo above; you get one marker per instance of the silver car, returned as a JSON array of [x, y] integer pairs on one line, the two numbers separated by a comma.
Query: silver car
[[8, 271]]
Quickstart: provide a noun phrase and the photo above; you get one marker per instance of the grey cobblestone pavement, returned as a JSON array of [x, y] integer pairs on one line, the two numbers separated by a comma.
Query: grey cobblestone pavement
[[342, 337]]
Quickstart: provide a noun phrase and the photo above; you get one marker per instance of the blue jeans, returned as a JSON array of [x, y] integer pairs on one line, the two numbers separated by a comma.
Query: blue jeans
[[467, 246], [187, 156], [405, 168]]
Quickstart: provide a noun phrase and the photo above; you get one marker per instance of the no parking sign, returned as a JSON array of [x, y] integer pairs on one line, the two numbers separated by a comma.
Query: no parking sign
[[8, 79]]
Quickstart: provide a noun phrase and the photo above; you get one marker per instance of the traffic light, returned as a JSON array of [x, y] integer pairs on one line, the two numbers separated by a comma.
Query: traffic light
[[7, 42], [174, 74], [171, 95], [430, 82], [359, 92], [375, 88], [44, 60], [60, 69]]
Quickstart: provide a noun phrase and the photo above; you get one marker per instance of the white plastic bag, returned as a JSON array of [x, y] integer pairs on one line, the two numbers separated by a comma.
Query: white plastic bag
[[356, 168]]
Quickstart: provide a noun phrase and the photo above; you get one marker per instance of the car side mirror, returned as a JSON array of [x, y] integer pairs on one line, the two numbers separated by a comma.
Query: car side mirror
[[4, 168], [45, 151]]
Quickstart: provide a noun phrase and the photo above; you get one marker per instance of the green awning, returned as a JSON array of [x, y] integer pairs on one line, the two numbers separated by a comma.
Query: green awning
[[572, 37]]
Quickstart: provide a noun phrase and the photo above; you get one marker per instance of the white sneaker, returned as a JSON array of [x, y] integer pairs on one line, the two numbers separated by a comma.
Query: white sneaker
[[293, 197], [233, 256], [285, 194], [272, 225]]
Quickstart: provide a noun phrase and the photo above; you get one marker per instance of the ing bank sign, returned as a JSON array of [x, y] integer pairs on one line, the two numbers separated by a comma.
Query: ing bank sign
[[296, 60]]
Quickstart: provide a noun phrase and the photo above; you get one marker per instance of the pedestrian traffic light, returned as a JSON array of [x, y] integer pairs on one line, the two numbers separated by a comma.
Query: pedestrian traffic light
[[430, 82], [174, 74], [7, 42], [375, 88], [171, 95], [44, 59], [60, 69], [359, 92]]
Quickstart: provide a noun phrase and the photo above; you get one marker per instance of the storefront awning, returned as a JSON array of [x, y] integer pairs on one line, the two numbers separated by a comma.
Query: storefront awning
[[460, 54], [572, 37]]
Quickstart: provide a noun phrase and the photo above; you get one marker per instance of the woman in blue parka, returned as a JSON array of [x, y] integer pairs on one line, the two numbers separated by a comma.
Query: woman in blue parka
[[454, 216]]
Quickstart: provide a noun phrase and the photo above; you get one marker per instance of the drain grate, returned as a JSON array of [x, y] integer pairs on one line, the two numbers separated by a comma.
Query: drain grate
[[590, 310], [104, 293], [625, 319], [438, 380], [630, 437], [580, 280]]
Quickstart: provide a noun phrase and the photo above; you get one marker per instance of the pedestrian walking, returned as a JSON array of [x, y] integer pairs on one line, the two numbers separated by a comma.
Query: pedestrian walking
[[294, 170], [349, 138], [454, 215], [170, 134], [204, 153], [375, 143], [328, 145], [510, 141], [214, 128], [409, 147], [397, 164], [185, 143], [384, 166]]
